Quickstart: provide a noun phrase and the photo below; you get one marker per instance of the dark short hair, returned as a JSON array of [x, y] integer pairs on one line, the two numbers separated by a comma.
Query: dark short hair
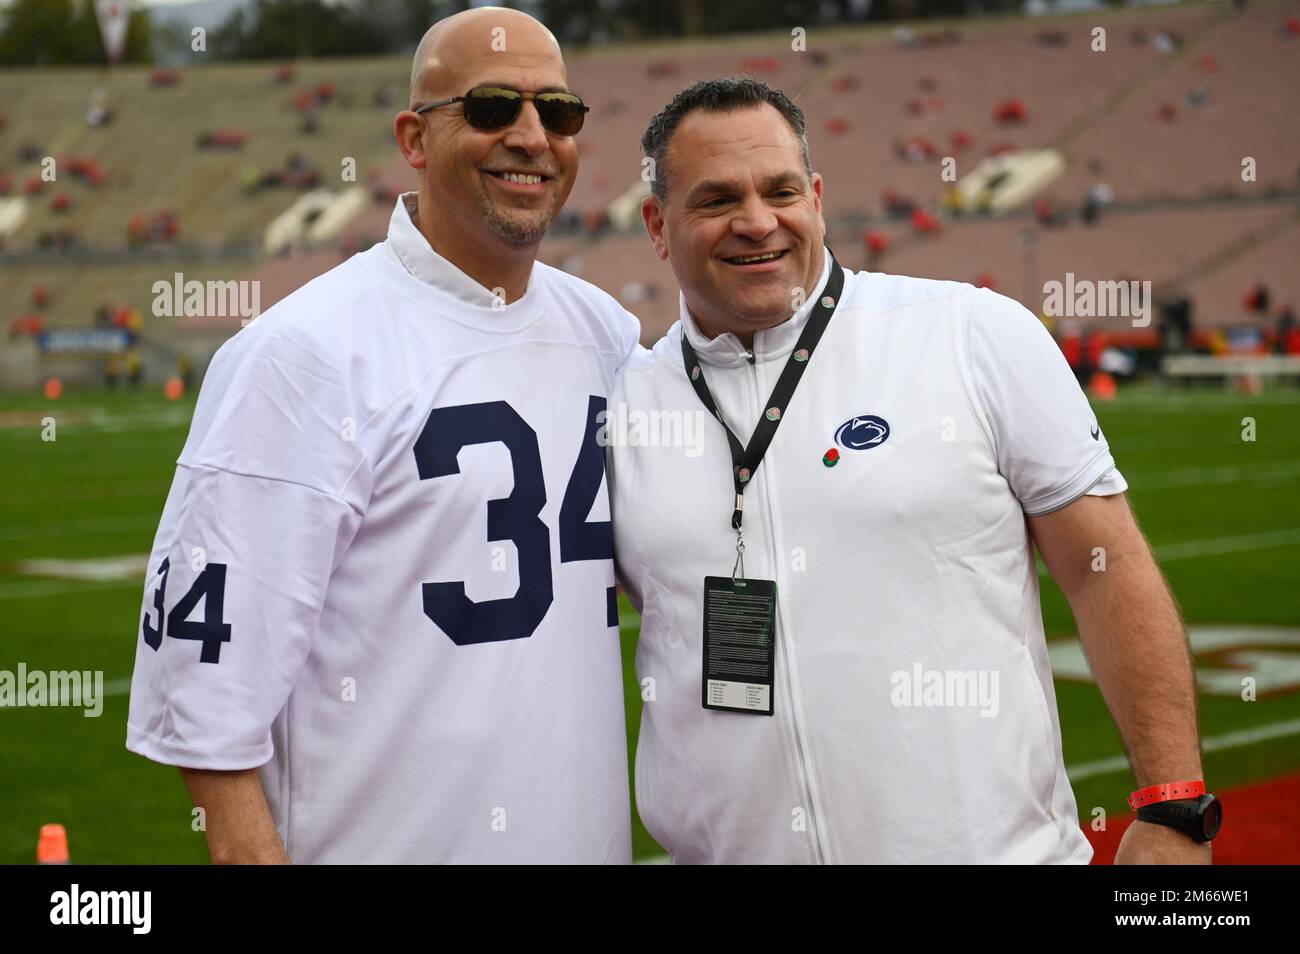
[[723, 95]]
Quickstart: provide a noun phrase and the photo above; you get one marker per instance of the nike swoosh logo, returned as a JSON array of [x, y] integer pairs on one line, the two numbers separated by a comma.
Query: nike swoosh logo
[[1096, 434]]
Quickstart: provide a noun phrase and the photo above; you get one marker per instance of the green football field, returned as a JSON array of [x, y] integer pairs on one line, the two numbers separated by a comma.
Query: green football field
[[1223, 514]]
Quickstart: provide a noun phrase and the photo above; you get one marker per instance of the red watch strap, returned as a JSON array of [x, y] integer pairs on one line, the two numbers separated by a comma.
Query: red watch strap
[[1165, 792]]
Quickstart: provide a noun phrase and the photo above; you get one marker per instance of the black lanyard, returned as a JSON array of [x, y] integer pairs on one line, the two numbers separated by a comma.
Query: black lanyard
[[745, 460]]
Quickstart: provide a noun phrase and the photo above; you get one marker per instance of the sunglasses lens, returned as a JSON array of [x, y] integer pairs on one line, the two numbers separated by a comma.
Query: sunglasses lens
[[489, 107], [561, 113]]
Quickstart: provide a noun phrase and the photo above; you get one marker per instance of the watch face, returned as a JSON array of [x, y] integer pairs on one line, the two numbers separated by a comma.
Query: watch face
[[1211, 815]]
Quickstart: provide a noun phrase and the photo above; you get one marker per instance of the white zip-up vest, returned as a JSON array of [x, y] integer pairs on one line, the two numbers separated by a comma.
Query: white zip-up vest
[[914, 715]]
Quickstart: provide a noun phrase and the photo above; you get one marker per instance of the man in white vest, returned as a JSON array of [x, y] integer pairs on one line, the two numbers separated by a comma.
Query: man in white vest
[[842, 645]]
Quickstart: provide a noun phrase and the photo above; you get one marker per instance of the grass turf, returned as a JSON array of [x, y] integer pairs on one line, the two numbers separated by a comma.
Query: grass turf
[[97, 491]]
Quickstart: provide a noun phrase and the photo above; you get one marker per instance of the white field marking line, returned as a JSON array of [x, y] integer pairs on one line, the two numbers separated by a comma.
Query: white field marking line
[[1192, 549], [1215, 546], [1145, 442], [37, 588], [97, 420], [1216, 743], [72, 528], [1194, 476], [131, 566], [143, 419], [1177, 402]]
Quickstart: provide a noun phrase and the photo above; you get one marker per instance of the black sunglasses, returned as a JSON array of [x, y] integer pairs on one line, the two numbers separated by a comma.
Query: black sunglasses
[[495, 107]]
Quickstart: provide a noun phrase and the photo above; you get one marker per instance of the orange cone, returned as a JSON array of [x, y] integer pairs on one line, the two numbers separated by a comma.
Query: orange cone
[[1102, 386], [52, 849]]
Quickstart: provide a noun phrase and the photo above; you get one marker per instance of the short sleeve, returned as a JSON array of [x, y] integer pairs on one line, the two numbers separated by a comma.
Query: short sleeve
[[629, 337], [268, 493], [1047, 441]]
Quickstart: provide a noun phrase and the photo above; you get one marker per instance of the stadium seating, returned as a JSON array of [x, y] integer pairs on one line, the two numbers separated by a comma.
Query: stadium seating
[[1180, 211]]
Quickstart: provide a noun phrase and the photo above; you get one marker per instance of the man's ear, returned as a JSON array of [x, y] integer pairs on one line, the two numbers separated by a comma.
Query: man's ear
[[408, 130], [652, 213], [817, 201]]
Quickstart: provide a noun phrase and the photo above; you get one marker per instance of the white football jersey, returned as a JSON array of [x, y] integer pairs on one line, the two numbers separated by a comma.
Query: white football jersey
[[384, 571], [914, 718]]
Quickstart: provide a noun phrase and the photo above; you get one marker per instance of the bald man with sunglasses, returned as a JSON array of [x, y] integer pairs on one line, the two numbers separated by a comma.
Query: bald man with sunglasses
[[380, 623]]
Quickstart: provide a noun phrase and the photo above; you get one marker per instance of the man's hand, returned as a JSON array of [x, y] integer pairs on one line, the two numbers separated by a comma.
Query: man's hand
[[1146, 843]]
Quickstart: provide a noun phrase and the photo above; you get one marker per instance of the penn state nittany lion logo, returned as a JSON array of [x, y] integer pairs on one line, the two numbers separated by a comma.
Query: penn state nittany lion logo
[[862, 432]]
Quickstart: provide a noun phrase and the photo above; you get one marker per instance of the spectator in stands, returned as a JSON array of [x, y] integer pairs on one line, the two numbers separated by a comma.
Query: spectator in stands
[[134, 368], [1284, 330], [60, 240], [31, 325], [906, 37], [1174, 322], [914, 149], [1097, 198], [1011, 111], [925, 223], [634, 293], [897, 206], [566, 223], [98, 115], [596, 222], [1046, 213], [1257, 299], [877, 243]]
